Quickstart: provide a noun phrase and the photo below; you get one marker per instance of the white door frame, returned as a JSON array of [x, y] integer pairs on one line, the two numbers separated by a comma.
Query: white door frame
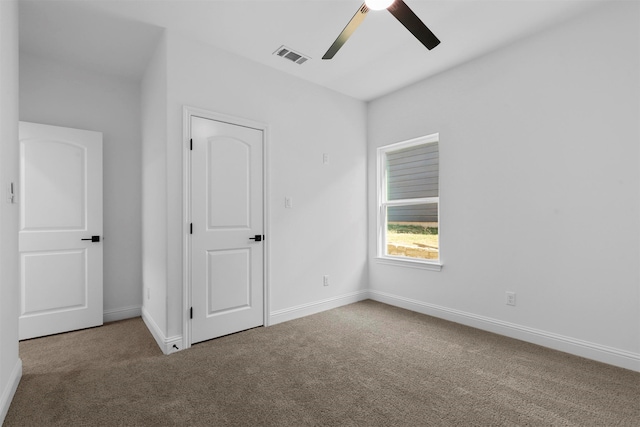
[[188, 113]]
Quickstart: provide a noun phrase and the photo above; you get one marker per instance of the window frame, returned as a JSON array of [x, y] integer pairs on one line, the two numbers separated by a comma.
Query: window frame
[[382, 204]]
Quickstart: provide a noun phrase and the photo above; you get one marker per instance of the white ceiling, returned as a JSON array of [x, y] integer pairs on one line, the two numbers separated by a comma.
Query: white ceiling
[[118, 37]]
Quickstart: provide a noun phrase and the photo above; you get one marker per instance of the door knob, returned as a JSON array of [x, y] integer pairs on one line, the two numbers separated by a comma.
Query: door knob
[[93, 238], [257, 238]]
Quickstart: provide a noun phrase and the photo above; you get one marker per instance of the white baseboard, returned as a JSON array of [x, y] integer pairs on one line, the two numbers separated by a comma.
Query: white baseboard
[[601, 353], [166, 344], [10, 390], [303, 310], [121, 313]]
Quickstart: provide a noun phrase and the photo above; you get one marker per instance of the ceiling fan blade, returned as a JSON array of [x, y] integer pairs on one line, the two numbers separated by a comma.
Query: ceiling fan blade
[[401, 11], [348, 30]]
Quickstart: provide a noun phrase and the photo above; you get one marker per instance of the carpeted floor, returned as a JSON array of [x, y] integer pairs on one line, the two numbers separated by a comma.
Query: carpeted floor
[[366, 364]]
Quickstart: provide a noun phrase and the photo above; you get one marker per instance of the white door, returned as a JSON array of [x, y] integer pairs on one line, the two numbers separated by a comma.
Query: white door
[[60, 208], [227, 218]]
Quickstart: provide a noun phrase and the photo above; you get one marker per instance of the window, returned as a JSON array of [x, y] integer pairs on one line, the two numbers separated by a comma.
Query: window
[[408, 201]]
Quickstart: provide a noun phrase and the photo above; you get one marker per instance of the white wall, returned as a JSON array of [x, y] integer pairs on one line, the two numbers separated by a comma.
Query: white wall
[[325, 232], [58, 94], [539, 188], [10, 364], [154, 192]]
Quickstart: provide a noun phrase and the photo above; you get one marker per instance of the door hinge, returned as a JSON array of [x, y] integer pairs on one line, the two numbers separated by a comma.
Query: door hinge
[[191, 144], [191, 313], [191, 228]]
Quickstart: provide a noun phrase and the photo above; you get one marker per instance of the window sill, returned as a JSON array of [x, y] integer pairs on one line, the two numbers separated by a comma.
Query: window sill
[[407, 262]]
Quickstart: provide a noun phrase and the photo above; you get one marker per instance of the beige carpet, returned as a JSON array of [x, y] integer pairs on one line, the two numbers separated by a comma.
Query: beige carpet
[[366, 364]]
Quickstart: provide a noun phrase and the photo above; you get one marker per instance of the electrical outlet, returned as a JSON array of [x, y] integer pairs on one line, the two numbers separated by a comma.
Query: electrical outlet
[[325, 158], [511, 298], [325, 280], [288, 202]]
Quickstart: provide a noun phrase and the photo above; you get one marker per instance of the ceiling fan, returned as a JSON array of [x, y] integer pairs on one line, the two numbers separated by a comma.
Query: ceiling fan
[[400, 10]]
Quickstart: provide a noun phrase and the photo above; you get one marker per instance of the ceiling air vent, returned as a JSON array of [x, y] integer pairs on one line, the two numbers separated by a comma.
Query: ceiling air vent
[[291, 55]]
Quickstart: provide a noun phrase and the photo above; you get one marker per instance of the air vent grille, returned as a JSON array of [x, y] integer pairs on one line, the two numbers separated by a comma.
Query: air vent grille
[[291, 55]]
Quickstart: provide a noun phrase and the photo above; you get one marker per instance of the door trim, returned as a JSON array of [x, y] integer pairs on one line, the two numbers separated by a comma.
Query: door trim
[[188, 113]]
